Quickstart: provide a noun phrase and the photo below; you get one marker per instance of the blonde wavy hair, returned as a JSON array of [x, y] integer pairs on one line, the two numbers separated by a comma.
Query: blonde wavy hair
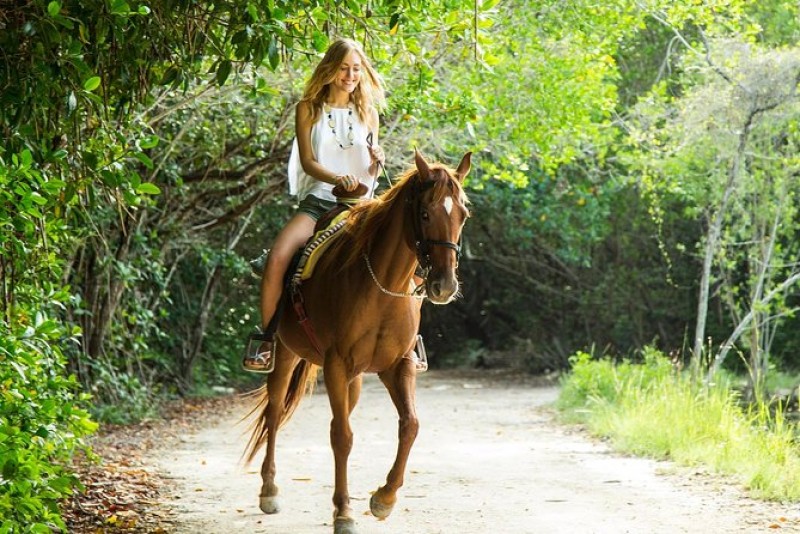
[[369, 92]]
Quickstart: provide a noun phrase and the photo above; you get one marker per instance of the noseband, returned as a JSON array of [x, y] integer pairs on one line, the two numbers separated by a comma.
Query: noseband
[[421, 243]]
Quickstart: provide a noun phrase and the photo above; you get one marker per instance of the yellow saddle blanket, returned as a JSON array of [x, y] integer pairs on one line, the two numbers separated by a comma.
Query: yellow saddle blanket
[[316, 246]]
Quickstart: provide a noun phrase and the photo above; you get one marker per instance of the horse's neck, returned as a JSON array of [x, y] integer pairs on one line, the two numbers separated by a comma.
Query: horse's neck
[[393, 259]]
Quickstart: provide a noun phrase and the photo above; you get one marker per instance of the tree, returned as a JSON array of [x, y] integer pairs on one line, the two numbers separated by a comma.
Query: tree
[[728, 143]]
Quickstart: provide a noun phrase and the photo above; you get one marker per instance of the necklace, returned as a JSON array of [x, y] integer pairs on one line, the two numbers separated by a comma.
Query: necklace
[[332, 124]]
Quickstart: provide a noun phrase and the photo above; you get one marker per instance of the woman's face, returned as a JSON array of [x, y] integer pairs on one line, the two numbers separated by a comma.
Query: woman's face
[[349, 73]]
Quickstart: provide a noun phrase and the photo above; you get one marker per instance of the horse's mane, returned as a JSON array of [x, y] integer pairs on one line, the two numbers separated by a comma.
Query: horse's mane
[[368, 217]]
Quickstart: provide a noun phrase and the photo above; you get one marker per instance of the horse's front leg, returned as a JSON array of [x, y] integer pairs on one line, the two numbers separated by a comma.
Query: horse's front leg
[[400, 380], [340, 390]]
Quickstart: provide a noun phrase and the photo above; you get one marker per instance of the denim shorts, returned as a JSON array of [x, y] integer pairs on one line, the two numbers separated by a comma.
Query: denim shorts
[[315, 207]]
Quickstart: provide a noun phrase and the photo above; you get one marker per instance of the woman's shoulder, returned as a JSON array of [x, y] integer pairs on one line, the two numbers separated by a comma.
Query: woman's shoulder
[[306, 114], [305, 108]]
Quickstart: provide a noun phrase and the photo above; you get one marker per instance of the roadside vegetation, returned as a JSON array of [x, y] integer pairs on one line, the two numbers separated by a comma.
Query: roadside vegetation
[[656, 409]]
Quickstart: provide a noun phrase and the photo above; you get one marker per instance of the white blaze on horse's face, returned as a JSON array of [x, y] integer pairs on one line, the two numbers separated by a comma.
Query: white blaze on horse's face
[[448, 204]]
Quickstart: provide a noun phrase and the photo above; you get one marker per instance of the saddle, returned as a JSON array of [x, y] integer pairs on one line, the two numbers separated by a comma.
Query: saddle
[[325, 231], [344, 201]]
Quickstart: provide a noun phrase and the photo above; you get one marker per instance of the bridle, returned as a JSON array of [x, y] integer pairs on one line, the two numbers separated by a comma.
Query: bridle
[[422, 244]]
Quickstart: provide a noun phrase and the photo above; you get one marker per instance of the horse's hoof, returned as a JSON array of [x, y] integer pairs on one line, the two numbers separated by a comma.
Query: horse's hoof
[[344, 525], [378, 509], [269, 505]]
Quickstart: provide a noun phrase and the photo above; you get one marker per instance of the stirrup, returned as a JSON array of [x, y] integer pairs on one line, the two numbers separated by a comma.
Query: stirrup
[[256, 358], [420, 356]]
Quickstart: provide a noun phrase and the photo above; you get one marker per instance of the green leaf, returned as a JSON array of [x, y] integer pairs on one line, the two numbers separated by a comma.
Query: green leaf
[[63, 21], [252, 11], [53, 186], [223, 71], [91, 84], [148, 188], [151, 141], [394, 21], [320, 41], [272, 53], [170, 76], [53, 8], [120, 7], [145, 159]]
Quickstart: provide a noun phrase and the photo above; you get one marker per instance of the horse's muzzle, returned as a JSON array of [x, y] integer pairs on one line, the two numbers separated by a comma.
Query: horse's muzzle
[[441, 287]]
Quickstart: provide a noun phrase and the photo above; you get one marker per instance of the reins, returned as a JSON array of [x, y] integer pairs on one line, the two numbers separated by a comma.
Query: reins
[[383, 168]]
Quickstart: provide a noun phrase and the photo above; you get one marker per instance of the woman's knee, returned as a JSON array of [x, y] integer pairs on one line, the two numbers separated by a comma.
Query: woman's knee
[[278, 259]]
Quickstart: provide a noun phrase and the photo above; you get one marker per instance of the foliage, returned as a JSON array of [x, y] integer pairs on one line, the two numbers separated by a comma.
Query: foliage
[[603, 381], [41, 425], [41, 418], [88, 87], [651, 409], [726, 146]]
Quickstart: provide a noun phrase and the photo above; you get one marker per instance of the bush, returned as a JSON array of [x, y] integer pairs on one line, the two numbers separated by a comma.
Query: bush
[[602, 380], [650, 409], [41, 425]]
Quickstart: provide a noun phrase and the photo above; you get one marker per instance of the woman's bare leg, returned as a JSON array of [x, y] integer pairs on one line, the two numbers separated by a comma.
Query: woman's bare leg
[[289, 240]]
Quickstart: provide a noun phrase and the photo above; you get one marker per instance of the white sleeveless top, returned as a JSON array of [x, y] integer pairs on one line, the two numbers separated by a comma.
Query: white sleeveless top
[[328, 152]]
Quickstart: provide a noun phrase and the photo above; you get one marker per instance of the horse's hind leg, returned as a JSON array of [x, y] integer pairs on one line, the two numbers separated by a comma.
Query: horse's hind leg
[[400, 381], [277, 386]]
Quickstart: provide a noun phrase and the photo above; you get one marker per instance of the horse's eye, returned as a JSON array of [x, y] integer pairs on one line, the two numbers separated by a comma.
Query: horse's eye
[[425, 217]]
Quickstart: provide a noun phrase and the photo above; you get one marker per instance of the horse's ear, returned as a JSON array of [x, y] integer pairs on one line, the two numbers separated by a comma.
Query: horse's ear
[[464, 166], [422, 166]]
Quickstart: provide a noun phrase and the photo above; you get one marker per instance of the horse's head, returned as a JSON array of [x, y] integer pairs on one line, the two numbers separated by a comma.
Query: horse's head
[[439, 210]]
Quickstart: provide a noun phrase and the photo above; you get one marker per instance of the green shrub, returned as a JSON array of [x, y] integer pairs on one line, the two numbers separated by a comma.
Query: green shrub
[[650, 409], [602, 380], [41, 425]]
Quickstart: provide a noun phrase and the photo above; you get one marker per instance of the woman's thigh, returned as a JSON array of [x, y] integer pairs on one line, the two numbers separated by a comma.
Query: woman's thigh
[[294, 235]]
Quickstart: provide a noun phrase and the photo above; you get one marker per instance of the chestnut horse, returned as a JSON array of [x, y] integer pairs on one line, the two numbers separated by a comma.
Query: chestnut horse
[[365, 316]]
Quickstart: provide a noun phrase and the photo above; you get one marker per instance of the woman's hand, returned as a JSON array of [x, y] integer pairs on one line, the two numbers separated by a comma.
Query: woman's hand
[[348, 181], [376, 155]]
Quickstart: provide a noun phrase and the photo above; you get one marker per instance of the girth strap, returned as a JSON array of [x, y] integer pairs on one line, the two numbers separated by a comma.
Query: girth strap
[[303, 319]]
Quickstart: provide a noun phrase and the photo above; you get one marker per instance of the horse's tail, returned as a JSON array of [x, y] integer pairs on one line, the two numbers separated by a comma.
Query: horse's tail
[[304, 376]]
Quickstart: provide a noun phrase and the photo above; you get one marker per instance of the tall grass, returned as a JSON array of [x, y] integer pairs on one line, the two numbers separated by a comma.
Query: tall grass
[[650, 409]]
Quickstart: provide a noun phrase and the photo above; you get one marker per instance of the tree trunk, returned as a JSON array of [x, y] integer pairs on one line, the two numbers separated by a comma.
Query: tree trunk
[[712, 244], [192, 346], [105, 303]]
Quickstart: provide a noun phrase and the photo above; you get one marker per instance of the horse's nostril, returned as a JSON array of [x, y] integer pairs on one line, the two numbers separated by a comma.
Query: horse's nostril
[[436, 288]]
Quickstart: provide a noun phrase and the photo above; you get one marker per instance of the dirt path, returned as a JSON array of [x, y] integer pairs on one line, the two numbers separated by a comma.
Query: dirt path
[[489, 459]]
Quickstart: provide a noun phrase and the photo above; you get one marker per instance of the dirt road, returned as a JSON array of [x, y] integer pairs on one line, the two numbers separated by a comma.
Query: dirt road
[[489, 459]]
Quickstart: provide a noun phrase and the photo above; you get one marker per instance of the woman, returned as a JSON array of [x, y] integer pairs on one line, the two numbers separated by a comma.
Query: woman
[[338, 111]]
